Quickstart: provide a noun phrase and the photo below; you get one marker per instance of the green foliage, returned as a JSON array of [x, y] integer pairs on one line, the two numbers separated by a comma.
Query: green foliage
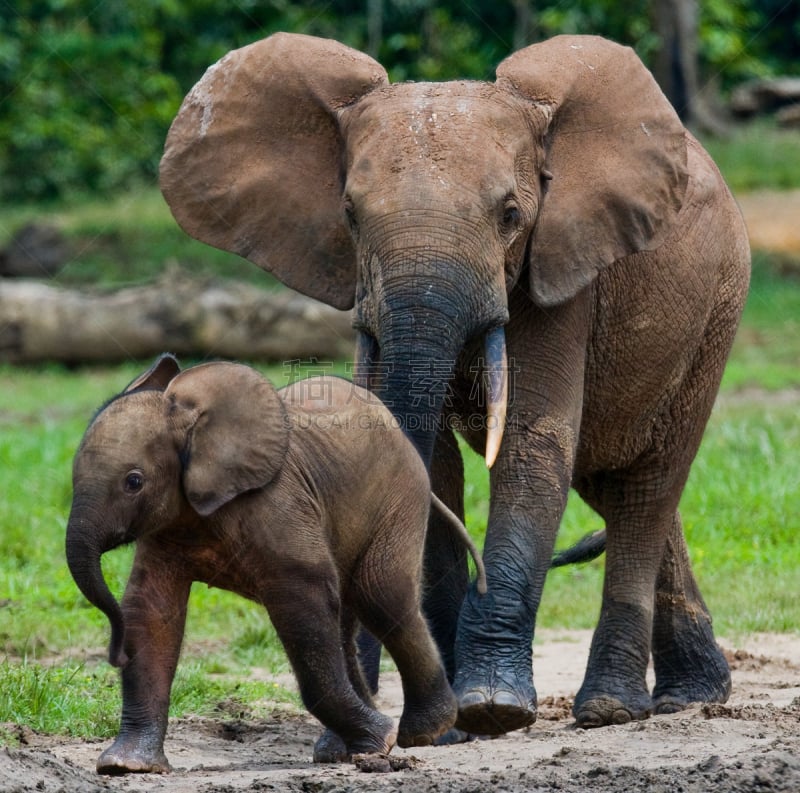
[[87, 91], [85, 98]]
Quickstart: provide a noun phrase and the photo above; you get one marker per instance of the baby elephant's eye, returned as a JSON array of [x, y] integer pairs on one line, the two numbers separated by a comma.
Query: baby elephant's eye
[[134, 482]]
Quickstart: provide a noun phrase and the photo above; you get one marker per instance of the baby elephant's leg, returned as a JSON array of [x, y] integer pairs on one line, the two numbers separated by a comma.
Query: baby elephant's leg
[[386, 596], [330, 747], [154, 611], [305, 611]]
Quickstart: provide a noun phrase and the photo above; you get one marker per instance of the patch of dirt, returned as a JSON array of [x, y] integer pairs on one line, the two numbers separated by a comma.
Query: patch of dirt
[[771, 219], [749, 744]]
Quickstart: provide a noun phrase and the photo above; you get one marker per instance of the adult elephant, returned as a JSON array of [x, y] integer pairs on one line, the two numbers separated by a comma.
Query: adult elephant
[[560, 219]]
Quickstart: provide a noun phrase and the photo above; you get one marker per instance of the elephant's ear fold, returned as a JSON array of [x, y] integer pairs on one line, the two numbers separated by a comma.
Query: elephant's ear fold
[[157, 377], [617, 153], [253, 160], [233, 430]]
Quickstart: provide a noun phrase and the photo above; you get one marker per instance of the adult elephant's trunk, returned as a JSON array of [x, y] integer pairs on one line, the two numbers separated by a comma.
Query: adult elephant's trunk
[[85, 544], [415, 359]]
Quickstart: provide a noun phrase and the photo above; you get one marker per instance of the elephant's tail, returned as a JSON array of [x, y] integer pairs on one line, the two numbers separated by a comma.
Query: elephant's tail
[[461, 530], [587, 548]]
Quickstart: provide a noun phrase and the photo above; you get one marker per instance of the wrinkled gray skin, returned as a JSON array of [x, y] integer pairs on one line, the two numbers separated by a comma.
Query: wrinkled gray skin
[[309, 500], [561, 215]]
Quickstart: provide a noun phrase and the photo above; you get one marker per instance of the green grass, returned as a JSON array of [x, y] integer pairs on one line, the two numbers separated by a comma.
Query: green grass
[[129, 240], [76, 699], [766, 352], [757, 155]]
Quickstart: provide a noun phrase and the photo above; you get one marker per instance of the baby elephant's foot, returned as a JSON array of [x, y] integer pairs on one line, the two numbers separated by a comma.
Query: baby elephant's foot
[[422, 726], [333, 748], [133, 756], [330, 748]]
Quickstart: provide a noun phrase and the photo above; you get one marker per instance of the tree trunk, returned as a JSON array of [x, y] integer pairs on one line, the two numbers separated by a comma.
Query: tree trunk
[[523, 24], [42, 322], [374, 27], [677, 64]]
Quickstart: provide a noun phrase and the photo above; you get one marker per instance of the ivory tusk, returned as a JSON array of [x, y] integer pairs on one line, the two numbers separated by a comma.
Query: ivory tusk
[[496, 375]]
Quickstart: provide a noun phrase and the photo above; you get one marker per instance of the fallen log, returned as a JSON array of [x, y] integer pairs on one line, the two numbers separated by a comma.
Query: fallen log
[[40, 321]]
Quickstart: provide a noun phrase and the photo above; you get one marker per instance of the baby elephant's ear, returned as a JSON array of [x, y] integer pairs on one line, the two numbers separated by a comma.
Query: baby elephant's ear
[[234, 429], [157, 377]]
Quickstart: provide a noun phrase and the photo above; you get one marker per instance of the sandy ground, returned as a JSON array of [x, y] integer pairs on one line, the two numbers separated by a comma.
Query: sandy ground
[[752, 743]]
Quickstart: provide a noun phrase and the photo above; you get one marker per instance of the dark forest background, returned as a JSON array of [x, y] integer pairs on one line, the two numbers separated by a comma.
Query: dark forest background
[[88, 89]]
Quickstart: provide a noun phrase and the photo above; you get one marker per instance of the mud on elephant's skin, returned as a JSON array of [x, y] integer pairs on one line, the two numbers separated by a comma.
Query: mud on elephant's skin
[[561, 217], [309, 500]]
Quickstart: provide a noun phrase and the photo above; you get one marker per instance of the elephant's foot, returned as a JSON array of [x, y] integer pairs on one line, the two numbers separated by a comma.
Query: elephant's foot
[[494, 677], [486, 711], [422, 726], [709, 683], [133, 756], [689, 664], [603, 710], [497, 705], [332, 748]]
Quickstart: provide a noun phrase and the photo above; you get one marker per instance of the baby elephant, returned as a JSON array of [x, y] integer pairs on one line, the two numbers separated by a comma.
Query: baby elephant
[[308, 500]]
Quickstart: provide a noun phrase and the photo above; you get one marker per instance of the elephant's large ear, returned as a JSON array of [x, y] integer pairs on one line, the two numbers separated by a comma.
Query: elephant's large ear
[[235, 429], [253, 160], [617, 152]]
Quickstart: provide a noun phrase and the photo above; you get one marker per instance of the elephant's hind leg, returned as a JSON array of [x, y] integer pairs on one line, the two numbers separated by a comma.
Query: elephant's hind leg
[[689, 664], [306, 616], [387, 601], [615, 690]]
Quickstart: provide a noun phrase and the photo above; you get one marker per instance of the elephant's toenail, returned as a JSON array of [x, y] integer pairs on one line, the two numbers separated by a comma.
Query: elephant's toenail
[[588, 719], [620, 716], [472, 698], [506, 699]]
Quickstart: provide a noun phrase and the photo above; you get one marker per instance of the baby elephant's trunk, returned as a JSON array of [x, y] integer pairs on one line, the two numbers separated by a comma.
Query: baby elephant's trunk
[[84, 546]]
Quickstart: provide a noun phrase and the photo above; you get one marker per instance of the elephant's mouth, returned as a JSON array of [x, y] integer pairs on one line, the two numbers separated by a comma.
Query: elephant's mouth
[[370, 375]]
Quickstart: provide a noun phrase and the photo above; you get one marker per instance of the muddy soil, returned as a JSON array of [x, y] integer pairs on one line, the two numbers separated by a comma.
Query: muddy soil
[[751, 743]]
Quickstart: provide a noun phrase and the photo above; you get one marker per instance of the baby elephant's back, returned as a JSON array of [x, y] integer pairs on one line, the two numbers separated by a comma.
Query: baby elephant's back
[[364, 468], [347, 416]]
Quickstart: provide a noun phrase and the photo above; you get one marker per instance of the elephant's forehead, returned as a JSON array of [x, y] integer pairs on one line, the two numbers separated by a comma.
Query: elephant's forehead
[[435, 136], [436, 110], [126, 428]]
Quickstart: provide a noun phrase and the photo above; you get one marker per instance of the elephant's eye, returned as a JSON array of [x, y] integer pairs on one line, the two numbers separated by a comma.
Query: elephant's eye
[[511, 215], [134, 482], [350, 213]]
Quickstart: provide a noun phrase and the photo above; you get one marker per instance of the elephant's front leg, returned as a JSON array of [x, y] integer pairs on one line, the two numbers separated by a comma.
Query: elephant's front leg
[[154, 610], [530, 482], [494, 679]]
